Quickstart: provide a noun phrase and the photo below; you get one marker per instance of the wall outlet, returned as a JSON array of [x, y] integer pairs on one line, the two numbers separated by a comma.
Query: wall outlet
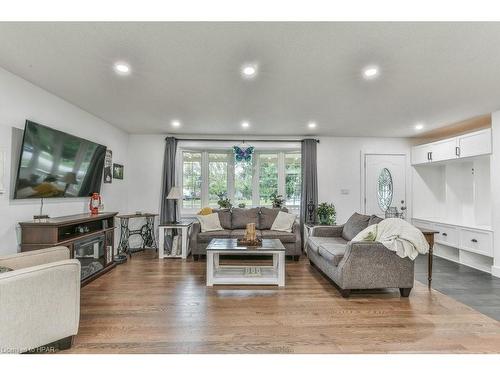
[[344, 191]]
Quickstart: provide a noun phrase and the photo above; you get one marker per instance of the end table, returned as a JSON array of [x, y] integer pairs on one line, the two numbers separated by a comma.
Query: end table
[[185, 227]]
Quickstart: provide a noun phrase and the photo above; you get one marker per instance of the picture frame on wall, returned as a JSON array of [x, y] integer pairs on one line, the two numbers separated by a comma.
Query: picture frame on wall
[[118, 171], [108, 167]]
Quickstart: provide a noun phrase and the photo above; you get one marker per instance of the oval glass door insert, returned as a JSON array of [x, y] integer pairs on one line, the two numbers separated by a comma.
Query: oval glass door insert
[[385, 189]]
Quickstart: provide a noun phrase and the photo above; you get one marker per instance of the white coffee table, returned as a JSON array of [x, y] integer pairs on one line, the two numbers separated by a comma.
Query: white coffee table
[[245, 273]]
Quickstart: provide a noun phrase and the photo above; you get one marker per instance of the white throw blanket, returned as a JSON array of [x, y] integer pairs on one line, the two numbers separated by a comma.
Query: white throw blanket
[[397, 235]]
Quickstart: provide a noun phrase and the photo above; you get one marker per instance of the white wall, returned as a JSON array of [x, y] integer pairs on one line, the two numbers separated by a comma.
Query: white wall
[[340, 168], [21, 100], [495, 190]]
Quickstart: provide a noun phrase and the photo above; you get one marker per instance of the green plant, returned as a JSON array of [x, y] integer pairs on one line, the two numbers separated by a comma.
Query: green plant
[[277, 200], [224, 201], [326, 213]]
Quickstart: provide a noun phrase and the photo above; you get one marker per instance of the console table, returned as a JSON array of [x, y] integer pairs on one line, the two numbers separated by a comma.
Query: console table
[[90, 239], [147, 232]]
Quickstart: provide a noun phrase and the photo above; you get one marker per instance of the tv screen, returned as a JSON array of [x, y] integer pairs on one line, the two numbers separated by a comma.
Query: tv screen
[[54, 164]]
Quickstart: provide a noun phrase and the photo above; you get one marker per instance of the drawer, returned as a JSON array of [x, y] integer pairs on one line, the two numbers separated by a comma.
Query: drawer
[[477, 241], [447, 235]]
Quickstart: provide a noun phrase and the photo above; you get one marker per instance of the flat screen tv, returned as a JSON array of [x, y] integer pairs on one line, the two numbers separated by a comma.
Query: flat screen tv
[[54, 164]]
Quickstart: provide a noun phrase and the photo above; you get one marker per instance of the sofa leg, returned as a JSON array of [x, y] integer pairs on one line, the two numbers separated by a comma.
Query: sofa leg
[[296, 258], [345, 292], [65, 343], [405, 292], [196, 257]]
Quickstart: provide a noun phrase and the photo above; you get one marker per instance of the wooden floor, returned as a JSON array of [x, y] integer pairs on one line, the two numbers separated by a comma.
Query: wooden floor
[[163, 306]]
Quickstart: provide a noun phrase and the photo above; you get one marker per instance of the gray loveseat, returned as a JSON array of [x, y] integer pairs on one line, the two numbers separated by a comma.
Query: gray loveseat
[[358, 265], [234, 222]]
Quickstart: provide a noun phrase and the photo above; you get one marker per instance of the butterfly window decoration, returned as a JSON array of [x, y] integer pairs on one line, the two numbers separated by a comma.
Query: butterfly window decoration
[[243, 152]]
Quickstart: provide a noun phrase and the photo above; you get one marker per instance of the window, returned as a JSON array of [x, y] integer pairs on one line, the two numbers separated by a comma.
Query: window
[[293, 179], [268, 178], [191, 180], [208, 175], [217, 177]]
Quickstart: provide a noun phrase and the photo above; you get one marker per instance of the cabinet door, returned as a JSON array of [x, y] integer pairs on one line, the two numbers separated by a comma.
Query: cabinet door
[[444, 150], [473, 144], [420, 154]]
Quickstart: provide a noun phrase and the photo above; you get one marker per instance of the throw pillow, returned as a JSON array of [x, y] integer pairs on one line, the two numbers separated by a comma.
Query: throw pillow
[[5, 269], [355, 224], [284, 222], [367, 234], [209, 223], [205, 211], [268, 215]]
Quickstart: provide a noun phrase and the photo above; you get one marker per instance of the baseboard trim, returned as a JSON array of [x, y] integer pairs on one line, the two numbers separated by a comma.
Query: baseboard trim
[[495, 271]]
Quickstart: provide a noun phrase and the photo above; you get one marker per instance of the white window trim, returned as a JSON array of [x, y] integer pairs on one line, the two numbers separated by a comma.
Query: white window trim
[[230, 175]]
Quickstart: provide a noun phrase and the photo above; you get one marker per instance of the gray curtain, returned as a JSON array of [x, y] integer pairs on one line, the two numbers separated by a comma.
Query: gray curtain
[[309, 180], [168, 213]]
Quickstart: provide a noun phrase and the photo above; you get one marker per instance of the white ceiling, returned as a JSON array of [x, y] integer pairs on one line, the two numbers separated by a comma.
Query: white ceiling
[[436, 73]]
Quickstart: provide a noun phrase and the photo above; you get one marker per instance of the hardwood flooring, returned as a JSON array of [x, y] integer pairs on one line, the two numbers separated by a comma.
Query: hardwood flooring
[[149, 305]]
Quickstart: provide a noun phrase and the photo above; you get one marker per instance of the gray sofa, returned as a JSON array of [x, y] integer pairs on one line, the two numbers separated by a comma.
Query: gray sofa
[[234, 222], [358, 265]]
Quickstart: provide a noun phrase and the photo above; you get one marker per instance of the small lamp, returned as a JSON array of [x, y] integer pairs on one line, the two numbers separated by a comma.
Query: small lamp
[[175, 194], [310, 210]]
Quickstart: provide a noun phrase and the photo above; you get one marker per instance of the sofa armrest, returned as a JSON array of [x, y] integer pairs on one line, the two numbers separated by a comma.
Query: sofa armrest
[[39, 305], [327, 231], [35, 257]]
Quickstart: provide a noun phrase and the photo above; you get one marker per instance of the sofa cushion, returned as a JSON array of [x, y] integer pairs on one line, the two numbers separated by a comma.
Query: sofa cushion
[[285, 237], [224, 217], [354, 225], [240, 233], [315, 242], [374, 219], [332, 252], [268, 215], [242, 216], [207, 236]]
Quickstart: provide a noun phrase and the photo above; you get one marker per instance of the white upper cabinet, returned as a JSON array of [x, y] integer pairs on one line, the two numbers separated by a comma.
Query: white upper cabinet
[[463, 146], [473, 144], [420, 154], [444, 150]]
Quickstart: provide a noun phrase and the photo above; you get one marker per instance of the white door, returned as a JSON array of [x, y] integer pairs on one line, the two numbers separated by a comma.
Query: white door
[[374, 167]]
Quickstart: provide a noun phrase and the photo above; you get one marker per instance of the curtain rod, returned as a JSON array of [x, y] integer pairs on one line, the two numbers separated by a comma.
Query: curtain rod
[[241, 140]]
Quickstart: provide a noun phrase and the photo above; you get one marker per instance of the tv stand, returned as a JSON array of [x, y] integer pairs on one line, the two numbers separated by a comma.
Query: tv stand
[[90, 239]]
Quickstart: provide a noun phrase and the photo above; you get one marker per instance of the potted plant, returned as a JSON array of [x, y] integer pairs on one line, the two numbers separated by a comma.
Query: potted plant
[[224, 201], [326, 213], [277, 200]]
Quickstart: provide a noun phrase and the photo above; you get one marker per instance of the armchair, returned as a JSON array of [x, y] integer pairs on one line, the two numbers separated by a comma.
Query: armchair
[[39, 300]]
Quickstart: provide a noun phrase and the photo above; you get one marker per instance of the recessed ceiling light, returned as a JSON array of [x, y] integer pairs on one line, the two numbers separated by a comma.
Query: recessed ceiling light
[[245, 124], [249, 71], [371, 72], [311, 125], [419, 126], [175, 123], [122, 68]]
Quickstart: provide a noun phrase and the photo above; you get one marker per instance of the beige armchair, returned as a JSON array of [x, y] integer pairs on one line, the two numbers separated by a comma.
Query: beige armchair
[[39, 300]]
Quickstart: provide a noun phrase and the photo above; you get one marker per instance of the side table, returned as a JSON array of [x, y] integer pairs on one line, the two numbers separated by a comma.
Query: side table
[[147, 233], [185, 227]]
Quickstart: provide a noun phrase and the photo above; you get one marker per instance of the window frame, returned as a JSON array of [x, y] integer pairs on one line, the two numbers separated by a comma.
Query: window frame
[[231, 174]]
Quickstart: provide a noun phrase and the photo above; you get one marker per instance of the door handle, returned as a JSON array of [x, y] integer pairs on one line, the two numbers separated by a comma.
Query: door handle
[[474, 240], [457, 151], [445, 234], [430, 153]]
